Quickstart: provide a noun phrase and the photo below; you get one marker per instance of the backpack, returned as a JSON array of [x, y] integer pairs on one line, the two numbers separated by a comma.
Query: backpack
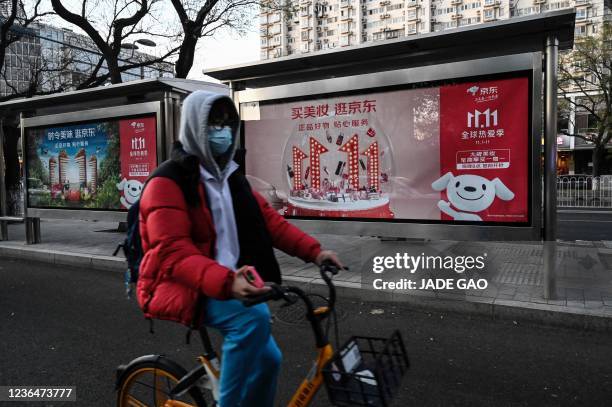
[[132, 249], [132, 244]]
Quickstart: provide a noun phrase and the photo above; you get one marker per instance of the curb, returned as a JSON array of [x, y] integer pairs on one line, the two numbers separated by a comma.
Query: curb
[[92, 261], [497, 309]]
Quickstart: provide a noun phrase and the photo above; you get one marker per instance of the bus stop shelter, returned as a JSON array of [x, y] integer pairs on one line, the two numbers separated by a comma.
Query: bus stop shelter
[[382, 139], [86, 153]]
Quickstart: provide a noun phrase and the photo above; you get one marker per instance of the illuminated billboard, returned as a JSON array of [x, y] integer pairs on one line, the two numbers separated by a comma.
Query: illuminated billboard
[[456, 152], [91, 165]]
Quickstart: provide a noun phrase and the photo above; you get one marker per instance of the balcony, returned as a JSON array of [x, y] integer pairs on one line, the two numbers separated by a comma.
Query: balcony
[[412, 17], [345, 4], [457, 16], [536, 2], [385, 16], [411, 4], [456, 2], [385, 3]]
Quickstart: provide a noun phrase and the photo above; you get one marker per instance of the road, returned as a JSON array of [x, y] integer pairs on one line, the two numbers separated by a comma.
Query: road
[[584, 225], [67, 326]]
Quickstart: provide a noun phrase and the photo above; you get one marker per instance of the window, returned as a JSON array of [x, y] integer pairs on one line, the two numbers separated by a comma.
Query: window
[[581, 13], [411, 28], [488, 14]]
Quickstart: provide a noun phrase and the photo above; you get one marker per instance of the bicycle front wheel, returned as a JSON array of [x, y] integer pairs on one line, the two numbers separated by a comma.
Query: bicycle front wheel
[[148, 382]]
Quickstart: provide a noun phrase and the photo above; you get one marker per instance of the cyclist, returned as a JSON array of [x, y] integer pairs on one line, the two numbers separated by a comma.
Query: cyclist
[[199, 234]]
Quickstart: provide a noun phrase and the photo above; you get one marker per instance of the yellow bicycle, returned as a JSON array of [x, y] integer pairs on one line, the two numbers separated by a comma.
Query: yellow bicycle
[[365, 371]]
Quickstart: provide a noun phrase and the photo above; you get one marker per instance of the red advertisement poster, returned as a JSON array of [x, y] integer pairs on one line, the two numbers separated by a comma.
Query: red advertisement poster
[[138, 156], [452, 153], [484, 151]]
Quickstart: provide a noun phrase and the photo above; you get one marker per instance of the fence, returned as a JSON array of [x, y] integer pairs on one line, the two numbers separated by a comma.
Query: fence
[[584, 191]]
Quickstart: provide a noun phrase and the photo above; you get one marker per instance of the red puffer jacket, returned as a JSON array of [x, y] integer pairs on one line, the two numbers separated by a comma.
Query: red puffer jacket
[[179, 241]]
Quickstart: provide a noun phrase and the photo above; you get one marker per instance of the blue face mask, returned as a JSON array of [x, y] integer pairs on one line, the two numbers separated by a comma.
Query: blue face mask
[[220, 140]]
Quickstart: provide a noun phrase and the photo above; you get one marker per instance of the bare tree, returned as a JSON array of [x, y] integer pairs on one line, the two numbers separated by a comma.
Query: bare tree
[[585, 84], [14, 26], [199, 19], [110, 24]]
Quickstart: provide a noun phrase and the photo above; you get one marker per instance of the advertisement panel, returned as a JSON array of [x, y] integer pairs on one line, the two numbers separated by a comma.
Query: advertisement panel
[[447, 153], [94, 165]]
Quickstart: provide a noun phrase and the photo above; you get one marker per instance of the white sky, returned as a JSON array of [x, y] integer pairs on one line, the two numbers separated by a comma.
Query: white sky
[[225, 50]]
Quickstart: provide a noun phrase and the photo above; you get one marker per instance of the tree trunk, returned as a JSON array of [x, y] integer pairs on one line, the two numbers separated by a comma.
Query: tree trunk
[[12, 173], [113, 69], [598, 157], [186, 54]]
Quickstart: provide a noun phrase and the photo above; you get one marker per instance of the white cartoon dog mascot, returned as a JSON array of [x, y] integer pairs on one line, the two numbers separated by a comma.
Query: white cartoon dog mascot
[[469, 193], [131, 191]]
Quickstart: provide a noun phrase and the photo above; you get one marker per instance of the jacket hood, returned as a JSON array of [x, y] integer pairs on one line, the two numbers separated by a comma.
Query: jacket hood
[[193, 133]]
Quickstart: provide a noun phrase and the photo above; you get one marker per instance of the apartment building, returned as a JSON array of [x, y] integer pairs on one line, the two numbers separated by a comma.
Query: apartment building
[[303, 26]]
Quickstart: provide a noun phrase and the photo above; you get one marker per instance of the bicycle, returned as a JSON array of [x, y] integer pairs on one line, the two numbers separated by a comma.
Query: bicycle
[[364, 371]]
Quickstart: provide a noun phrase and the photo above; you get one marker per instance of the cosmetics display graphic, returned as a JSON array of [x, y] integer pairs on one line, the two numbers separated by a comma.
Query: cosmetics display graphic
[[455, 152], [339, 172]]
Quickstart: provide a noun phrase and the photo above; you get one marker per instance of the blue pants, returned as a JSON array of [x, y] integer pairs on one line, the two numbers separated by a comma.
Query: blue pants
[[250, 357]]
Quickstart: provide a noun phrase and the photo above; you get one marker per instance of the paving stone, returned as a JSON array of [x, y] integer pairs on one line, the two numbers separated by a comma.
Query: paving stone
[[574, 294], [593, 304], [575, 304]]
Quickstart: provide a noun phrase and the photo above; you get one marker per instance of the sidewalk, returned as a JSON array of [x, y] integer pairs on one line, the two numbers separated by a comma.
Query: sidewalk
[[583, 278]]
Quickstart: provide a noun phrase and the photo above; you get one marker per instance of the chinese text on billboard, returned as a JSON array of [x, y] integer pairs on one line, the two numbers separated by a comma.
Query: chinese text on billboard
[[99, 165], [454, 152]]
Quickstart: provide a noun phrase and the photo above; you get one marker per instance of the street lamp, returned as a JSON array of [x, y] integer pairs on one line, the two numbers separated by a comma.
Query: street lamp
[[132, 45]]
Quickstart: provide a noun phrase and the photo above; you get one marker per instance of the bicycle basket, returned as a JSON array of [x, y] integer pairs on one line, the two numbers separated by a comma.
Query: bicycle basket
[[366, 371]]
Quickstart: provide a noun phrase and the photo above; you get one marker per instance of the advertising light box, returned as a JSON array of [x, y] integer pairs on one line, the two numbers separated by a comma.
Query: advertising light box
[[97, 165], [451, 153]]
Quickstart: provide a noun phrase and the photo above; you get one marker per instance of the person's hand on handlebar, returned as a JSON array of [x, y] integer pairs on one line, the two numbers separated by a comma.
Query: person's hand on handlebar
[[329, 256], [242, 289]]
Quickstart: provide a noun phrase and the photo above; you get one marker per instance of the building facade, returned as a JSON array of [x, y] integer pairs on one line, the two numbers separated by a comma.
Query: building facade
[[304, 26], [62, 59]]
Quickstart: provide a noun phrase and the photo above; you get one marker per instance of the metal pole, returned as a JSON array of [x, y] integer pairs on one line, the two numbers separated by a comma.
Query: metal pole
[[550, 167]]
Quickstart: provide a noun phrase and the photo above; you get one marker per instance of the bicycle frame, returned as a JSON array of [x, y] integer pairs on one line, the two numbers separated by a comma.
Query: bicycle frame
[[313, 380]]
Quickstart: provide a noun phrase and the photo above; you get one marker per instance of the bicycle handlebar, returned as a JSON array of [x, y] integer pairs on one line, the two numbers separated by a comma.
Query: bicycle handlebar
[[278, 292]]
